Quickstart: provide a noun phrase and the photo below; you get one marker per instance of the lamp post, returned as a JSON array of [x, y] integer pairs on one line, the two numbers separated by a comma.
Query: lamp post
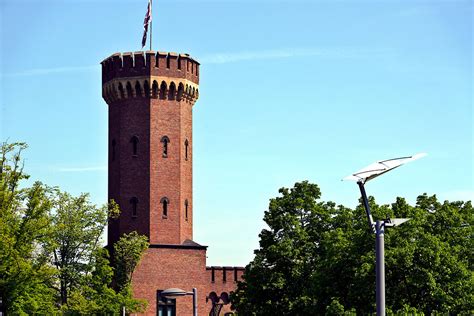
[[362, 176], [175, 292]]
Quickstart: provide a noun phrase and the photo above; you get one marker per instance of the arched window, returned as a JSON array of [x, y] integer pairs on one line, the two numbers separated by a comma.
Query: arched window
[[180, 91], [165, 202], [163, 89], [134, 202], [134, 142], [146, 88], [186, 145], [165, 140], [213, 296], [138, 89], [113, 149], [129, 90], [154, 89], [172, 91], [121, 91], [186, 209]]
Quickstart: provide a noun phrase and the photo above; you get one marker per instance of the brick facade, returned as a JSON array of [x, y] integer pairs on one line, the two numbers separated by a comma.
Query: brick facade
[[151, 97]]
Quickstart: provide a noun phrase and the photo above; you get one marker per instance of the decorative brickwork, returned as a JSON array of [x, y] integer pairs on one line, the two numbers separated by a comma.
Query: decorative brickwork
[[151, 97]]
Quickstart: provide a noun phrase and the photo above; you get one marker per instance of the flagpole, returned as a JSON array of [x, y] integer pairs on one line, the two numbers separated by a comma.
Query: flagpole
[[151, 22]]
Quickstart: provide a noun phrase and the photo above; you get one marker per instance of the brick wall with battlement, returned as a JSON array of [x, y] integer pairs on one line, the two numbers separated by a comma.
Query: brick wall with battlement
[[151, 97]]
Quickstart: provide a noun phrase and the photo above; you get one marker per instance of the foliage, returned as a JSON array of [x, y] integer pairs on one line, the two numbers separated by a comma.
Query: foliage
[[77, 228], [25, 276], [95, 297], [318, 258], [51, 258], [127, 254]]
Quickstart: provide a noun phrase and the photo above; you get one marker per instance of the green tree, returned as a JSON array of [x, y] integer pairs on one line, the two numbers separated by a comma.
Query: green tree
[[84, 269], [127, 254], [78, 225], [51, 255], [278, 281], [25, 274], [95, 296], [316, 258]]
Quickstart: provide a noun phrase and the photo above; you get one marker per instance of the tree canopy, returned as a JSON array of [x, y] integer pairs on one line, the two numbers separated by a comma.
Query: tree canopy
[[318, 258], [51, 256]]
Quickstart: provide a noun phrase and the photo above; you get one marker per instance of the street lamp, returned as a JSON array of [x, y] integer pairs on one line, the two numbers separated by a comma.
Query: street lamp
[[175, 292], [362, 176]]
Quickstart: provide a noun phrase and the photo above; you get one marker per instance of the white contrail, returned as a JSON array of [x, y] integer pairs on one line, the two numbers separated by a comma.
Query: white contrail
[[83, 169]]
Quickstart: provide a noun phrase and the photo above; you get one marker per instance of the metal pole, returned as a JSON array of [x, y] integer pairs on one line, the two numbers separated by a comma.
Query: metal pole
[[151, 22], [380, 268], [366, 205], [195, 308]]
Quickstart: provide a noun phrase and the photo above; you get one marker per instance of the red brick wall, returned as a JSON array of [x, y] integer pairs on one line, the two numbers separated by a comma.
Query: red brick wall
[[128, 174], [163, 268], [222, 285], [149, 176], [171, 176]]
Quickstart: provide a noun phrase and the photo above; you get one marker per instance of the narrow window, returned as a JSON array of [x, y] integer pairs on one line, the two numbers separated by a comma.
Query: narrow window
[[138, 89], [168, 61], [134, 142], [164, 201], [186, 145], [225, 298], [186, 209], [213, 275], [121, 91], [179, 62], [165, 141], [166, 306], [113, 149], [146, 88], [163, 88], [129, 90], [134, 202], [172, 91], [179, 97], [224, 275], [154, 89]]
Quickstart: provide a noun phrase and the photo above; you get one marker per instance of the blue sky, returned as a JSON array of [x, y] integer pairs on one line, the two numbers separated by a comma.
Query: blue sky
[[290, 91]]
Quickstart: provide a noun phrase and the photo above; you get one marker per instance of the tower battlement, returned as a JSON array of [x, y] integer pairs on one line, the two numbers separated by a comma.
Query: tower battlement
[[150, 63], [150, 74], [151, 98]]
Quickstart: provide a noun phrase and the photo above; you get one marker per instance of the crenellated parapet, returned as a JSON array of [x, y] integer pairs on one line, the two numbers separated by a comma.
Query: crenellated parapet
[[167, 76], [222, 275]]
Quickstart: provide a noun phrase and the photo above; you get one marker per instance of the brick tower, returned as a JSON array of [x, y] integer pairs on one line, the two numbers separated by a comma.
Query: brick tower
[[151, 97]]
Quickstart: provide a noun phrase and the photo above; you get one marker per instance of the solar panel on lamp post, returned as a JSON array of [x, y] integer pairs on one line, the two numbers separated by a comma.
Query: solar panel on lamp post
[[175, 292], [378, 227]]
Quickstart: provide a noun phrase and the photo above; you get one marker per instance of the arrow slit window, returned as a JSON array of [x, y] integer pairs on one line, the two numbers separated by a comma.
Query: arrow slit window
[[165, 141], [164, 204]]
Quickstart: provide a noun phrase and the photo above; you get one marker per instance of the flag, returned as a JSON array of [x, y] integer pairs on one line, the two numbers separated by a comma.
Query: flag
[[146, 22]]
